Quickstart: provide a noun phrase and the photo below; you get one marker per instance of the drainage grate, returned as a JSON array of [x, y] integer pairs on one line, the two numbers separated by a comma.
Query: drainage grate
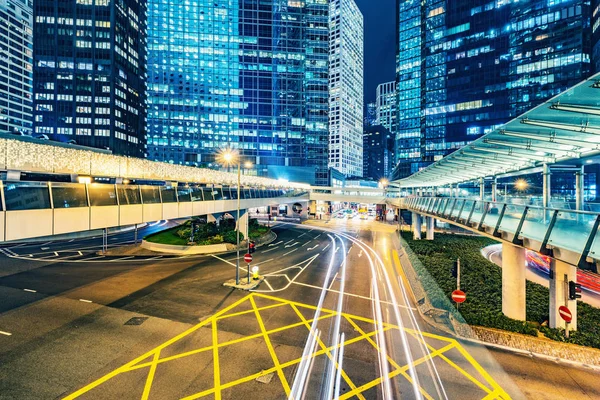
[[136, 321], [265, 378]]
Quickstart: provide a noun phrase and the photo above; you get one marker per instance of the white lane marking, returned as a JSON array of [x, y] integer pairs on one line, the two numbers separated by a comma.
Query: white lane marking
[[80, 253], [268, 284], [56, 253], [306, 243], [275, 244], [290, 252], [333, 280], [85, 301], [302, 234], [291, 245], [289, 241], [5, 333], [154, 258], [312, 248], [266, 251], [44, 248], [70, 240], [121, 259], [326, 247], [360, 253], [30, 290], [316, 237], [222, 259], [262, 262], [91, 258], [44, 244], [306, 264]]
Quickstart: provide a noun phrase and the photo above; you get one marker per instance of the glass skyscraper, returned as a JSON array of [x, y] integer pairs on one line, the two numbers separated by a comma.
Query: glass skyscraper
[[386, 105], [250, 75], [90, 71], [16, 19], [346, 60], [466, 67]]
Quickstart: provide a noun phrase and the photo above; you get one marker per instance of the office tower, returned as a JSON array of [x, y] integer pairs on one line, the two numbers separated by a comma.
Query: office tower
[[462, 71], [378, 144], [346, 61], [370, 115], [15, 66], [386, 105], [249, 75], [89, 73]]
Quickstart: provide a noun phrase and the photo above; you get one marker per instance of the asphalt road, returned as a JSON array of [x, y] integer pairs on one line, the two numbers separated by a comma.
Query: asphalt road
[[332, 317]]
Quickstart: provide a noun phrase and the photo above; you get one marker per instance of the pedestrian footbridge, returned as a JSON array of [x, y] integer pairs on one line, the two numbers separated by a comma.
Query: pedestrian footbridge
[[38, 209]]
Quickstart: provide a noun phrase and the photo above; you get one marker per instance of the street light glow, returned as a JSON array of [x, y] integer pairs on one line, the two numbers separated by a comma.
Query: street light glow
[[227, 156], [521, 184]]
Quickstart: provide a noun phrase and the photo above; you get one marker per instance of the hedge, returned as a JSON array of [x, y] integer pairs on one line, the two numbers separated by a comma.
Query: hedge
[[481, 280]]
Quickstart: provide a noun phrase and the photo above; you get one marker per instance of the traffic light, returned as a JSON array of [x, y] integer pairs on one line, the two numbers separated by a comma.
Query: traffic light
[[251, 247], [574, 290], [455, 269]]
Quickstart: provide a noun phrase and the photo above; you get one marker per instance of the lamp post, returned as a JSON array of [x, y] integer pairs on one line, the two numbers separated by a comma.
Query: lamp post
[[231, 157]]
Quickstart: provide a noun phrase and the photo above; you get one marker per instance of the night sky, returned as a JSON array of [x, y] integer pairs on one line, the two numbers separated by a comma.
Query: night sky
[[380, 43]]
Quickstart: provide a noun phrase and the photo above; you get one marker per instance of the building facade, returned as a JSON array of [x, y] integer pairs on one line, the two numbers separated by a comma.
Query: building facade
[[249, 75], [386, 105], [89, 73], [378, 144], [465, 69], [370, 115], [346, 64], [16, 63]]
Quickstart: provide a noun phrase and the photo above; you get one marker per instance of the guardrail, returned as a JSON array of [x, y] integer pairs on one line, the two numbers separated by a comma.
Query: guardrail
[[571, 236], [36, 209]]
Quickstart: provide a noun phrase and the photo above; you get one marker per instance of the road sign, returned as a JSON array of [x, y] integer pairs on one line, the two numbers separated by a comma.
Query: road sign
[[459, 296], [248, 257], [565, 313]]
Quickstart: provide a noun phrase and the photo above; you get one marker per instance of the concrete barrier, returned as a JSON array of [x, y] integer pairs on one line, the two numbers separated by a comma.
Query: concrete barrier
[[171, 249]]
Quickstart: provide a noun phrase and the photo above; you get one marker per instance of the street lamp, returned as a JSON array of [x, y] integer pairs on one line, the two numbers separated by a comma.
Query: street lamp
[[521, 184], [229, 157]]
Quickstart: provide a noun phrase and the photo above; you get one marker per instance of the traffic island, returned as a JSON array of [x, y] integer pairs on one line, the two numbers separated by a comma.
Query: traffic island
[[244, 285]]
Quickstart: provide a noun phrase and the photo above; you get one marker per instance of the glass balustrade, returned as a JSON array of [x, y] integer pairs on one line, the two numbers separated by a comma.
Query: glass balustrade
[[572, 230]]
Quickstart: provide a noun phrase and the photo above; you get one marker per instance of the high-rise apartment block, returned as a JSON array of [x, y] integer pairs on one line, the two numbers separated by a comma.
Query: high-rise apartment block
[[16, 19], [378, 143], [90, 73], [346, 61], [462, 71], [249, 75], [386, 105]]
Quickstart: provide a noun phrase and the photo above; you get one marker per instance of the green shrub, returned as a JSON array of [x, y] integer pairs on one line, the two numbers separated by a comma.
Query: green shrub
[[482, 282]]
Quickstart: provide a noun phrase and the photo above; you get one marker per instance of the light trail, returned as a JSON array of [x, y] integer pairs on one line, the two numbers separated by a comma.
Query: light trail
[[301, 378]]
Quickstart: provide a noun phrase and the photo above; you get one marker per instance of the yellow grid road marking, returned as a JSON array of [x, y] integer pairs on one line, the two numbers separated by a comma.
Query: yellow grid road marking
[[216, 369], [141, 361], [280, 373], [150, 377]]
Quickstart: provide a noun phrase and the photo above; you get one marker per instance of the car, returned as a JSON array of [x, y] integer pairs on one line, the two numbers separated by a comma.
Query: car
[[43, 136], [71, 141]]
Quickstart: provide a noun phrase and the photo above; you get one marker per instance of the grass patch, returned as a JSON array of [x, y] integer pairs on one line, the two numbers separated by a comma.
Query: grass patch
[[206, 233], [482, 281]]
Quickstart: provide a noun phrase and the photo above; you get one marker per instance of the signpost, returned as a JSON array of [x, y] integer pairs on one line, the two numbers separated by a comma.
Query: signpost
[[459, 296], [565, 314], [248, 259]]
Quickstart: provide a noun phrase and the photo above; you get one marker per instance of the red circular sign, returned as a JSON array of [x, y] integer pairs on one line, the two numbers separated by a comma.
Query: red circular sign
[[459, 296], [248, 257], [565, 313]]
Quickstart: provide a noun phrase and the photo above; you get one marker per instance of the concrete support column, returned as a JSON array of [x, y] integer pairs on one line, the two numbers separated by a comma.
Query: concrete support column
[[481, 188], [243, 223], [216, 218], [312, 207], [562, 273], [546, 182], [416, 222], [430, 226], [494, 189], [579, 199], [513, 281]]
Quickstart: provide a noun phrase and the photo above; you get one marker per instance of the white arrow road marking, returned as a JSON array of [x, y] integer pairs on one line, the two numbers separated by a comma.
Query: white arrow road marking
[[312, 248], [292, 245], [266, 251], [360, 253]]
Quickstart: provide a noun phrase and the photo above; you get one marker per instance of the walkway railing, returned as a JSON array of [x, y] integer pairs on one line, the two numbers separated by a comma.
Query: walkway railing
[[571, 236]]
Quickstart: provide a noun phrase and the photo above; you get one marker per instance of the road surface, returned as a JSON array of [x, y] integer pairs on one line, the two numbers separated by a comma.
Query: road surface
[[333, 318]]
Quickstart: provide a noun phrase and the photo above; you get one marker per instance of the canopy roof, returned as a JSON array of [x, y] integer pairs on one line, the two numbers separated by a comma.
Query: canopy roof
[[563, 129]]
